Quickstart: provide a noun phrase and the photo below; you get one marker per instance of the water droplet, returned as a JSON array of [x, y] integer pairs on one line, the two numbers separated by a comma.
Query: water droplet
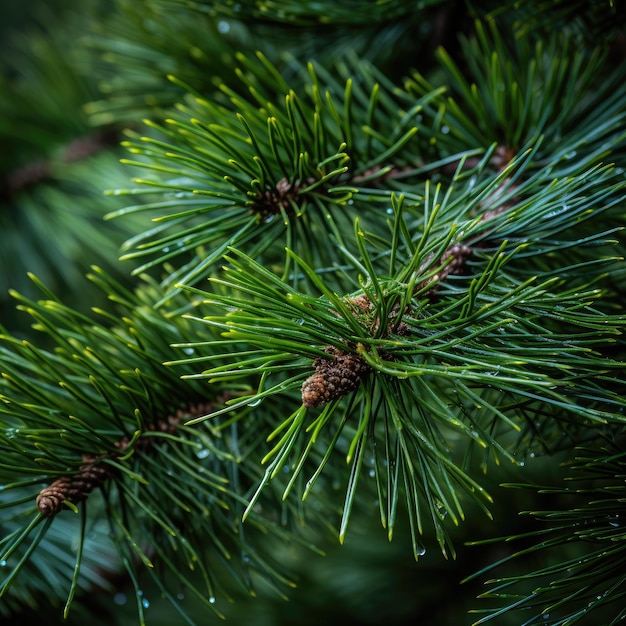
[[372, 473], [300, 322], [145, 603], [287, 469], [255, 402], [223, 27], [120, 599], [3, 563], [212, 599], [166, 249], [203, 453], [445, 130], [180, 596], [570, 155], [188, 350], [389, 211], [558, 211], [421, 550]]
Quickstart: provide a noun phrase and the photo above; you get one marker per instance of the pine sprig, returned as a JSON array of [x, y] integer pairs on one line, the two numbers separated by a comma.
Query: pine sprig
[[412, 366], [101, 415], [257, 171], [515, 91]]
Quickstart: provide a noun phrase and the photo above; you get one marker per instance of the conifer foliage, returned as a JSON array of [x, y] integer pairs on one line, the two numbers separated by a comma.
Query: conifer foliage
[[362, 274]]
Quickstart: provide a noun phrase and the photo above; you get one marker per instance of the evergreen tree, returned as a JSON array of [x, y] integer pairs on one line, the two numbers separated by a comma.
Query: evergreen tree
[[370, 288]]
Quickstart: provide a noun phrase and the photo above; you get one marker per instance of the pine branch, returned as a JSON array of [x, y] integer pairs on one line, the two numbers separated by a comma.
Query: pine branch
[[427, 359], [100, 414], [420, 278]]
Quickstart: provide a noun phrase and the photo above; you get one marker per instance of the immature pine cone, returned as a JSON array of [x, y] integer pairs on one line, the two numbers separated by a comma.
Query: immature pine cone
[[74, 489], [333, 377]]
